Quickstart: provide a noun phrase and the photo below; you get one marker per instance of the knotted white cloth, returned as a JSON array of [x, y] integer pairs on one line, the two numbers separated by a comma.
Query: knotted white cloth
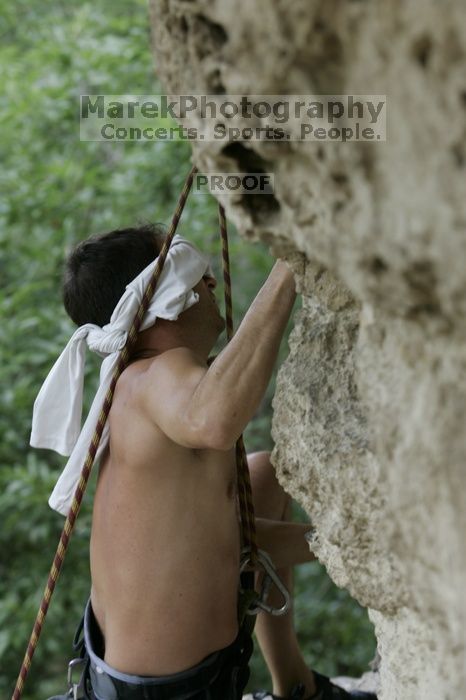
[[56, 421]]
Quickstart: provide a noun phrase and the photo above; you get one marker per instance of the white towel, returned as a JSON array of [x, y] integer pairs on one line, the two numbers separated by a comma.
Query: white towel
[[56, 421]]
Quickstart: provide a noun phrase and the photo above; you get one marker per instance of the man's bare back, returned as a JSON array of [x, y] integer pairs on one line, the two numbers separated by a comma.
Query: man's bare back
[[165, 542]]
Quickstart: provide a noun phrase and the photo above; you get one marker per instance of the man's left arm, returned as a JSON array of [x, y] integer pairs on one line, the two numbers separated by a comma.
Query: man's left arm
[[284, 541]]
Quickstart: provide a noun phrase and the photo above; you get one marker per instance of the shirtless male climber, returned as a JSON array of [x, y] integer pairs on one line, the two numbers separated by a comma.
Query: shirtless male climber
[[161, 622]]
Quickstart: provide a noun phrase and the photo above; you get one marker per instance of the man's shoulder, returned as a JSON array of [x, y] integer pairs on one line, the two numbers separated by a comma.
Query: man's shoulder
[[161, 391], [158, 376], [179, 356], [169, 360]]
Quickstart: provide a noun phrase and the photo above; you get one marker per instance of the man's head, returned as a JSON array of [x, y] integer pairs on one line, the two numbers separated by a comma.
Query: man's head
[[99, 268]]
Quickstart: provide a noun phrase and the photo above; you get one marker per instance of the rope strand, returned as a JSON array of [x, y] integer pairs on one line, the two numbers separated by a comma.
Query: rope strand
[[246, 503], [89, 460], [248, 521]]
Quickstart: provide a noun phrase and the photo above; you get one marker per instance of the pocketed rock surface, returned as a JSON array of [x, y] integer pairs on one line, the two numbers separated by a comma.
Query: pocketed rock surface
[[369, 420]]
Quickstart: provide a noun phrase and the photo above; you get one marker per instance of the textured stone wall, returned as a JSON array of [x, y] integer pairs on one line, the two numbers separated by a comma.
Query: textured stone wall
[[369, 421]]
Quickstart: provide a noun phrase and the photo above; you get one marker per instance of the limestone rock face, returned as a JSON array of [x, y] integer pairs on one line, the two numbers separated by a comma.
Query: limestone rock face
[[369, 418]]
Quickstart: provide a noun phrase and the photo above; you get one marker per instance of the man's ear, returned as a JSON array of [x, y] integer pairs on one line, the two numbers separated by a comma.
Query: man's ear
[[209, 280]]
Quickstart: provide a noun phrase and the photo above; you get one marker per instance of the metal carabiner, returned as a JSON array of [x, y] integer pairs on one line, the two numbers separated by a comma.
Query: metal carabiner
[[75, 688], [270, 576]]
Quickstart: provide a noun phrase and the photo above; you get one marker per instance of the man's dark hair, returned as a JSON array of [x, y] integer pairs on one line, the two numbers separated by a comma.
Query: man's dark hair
[[99, 268]]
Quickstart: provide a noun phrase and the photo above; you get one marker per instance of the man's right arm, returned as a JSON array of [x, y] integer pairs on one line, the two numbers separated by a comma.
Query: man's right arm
[[235, 383], [203, 407]]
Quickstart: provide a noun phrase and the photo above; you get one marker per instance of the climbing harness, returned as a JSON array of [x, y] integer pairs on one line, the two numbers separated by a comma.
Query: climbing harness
[[250, 553]]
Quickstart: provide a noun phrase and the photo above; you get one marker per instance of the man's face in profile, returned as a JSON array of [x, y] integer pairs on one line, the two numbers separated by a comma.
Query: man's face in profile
[[207, 304]]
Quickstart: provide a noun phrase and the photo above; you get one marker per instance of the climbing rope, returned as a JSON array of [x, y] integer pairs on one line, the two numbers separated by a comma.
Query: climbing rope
[[244, 485]]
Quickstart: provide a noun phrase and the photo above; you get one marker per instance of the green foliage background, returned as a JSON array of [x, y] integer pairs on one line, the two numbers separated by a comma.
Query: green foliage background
[[57, 190]]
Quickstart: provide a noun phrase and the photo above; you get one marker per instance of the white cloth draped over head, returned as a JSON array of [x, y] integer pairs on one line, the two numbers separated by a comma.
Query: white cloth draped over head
[[56, 421]]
